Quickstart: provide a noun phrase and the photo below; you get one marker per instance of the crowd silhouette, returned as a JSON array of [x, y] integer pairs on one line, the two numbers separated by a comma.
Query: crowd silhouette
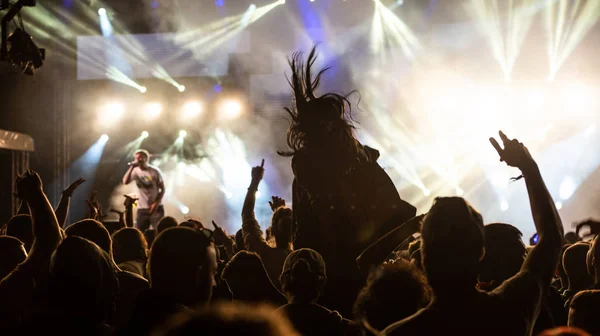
[[349, 258]]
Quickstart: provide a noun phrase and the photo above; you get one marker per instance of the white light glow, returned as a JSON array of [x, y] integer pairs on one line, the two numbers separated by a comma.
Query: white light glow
[[145, 134], [102, 11], [567, 188], [111, 113], [230, 109], [192, 109], [181, 88], [182, 134], [153, 110], [143, 89], [503, 205], [558, 205], [103, 138], [184, 210]]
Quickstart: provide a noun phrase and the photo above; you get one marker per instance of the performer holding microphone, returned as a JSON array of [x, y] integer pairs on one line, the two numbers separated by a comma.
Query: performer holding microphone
[[151, 189]]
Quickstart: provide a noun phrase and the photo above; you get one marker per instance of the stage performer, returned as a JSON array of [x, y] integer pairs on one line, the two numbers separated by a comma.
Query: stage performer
[[151, 189], [342, 199]]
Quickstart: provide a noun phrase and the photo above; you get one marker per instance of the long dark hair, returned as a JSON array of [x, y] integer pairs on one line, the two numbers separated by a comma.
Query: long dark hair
[[327, 118]]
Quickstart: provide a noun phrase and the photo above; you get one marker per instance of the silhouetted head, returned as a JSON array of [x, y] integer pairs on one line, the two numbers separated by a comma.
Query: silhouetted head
[[281, 227], [318, 121], [165, 223], [504, 253], [129, 244], [575, 264], [564, 331], [150, 234], [243, 269], [141, 157], [228, 319], [20, 227], [303, 276], [92, 230], [83, 282], [593, 258], [182, 265], [393, 292], [13, 253], [571, 237], [452, 245]]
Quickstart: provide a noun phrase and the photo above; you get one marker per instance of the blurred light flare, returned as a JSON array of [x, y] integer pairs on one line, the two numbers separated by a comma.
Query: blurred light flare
[[230, 109], [110, 113], [153, 110], [567, 188], [145, 134], [182, 134], [192, 109]]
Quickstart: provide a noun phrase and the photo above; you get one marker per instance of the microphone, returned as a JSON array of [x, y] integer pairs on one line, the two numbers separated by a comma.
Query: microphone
[[132, 163]]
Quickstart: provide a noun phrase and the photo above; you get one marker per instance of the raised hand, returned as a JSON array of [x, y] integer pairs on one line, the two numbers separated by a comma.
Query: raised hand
[[220, 235], [594, 226], [94, 205], [71, 189], [258, 172], [515, 154], [276, 203], [28, 185]]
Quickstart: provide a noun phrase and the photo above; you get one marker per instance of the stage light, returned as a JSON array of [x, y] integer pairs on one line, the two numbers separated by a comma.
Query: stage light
[[145, 134], [230, 109], [558, 205], [567, 188], [459, 191], [184, 209], [24, 53], [426, 192], [111, 113], [282, 2], [103, 139], [182, 134], [192, 109], [153, 110], [312, 0], [257, 194], [181, 88], [143, 89], [503, 205], [102, 11]]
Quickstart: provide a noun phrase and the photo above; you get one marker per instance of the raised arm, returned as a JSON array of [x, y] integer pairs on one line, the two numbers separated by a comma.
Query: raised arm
[[543, 258], [375, 254], [253, 235], [62, 210], [129, 202], [127, 176], [46, 232]]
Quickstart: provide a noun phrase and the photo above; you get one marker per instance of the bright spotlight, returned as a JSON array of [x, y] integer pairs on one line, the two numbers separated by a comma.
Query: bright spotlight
[[503, 205], [567, 188], [143, 89], [558, 205], [426, 192], [281, 2], [257, 194], [145, 134], [191, 109], [182, 134], [459, 191], [184, 210], [153, 110], [111, 113], [102, 11], [181, 88], [103, 139], [230, 109], [312, 0]]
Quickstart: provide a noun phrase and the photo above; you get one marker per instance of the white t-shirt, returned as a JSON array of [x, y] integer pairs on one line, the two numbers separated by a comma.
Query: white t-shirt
[[147, 181]]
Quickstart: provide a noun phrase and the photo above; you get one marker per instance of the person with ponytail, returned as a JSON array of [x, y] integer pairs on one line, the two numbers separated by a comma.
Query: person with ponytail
[[343, 201], [303, 279]]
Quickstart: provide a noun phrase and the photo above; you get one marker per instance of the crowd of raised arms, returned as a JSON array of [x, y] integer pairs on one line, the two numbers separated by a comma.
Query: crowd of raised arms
[[349, 258]]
